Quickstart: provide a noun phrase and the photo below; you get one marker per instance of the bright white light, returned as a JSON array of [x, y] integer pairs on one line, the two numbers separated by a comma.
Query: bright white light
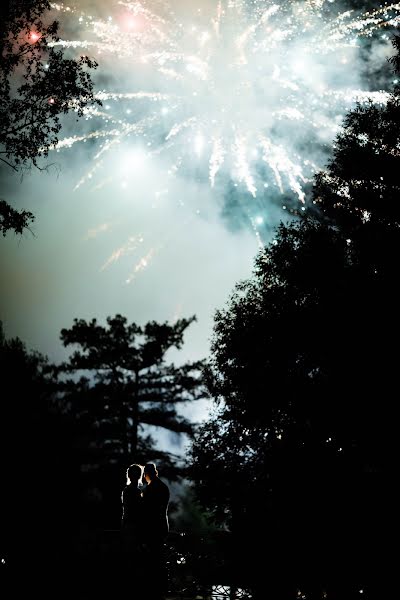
[[133, 162], [244, 86], [199, 144]]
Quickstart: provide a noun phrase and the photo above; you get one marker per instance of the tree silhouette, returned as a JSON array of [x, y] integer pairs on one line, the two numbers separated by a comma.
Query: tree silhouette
[[303, 371], [12, 219], [38, 501], [38, 84], [129, 384]]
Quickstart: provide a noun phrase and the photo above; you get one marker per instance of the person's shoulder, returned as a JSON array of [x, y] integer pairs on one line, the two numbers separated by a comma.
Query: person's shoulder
[[163, 484]]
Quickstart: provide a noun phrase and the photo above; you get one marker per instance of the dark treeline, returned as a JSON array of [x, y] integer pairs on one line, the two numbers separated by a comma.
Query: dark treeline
[[68, 433], [298, 459]]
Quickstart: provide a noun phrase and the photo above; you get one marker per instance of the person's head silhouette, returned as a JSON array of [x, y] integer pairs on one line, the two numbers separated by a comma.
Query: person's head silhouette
[[134, 474], [150, 472]]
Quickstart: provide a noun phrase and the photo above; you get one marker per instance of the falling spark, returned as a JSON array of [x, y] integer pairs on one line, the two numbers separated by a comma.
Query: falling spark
[[142, 264], [216, 160], [95, 231], [128, 248]]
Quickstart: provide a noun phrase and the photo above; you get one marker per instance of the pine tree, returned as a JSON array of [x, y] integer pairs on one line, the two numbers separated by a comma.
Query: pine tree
[[129, 385]]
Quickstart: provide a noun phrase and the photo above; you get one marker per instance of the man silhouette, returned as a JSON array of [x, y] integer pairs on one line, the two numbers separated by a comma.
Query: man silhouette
[[156, 497]]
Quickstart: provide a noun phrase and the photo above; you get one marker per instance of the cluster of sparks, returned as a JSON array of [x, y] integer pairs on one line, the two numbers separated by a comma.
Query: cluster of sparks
[[234, 94]]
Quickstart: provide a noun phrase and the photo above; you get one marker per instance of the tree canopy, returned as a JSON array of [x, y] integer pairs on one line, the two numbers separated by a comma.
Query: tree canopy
[[128, 385], [38, 84], [303, 371], [38, 471]]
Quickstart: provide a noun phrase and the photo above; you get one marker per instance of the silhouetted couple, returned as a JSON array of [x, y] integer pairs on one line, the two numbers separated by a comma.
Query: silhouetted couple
[[145, 528]]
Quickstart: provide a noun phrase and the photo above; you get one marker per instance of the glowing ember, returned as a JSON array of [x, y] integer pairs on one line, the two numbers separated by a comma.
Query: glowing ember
[[34, 36]]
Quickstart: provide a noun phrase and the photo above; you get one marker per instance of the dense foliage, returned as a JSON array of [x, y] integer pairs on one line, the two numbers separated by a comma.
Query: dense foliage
[[39, 83], [298, 454]]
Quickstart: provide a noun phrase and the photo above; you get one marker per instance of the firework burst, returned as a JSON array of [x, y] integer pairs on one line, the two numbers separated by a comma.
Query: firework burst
[[240, 91]]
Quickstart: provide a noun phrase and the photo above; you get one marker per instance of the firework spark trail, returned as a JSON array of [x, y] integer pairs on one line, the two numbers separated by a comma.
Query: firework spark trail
[[216, 160], [143, 263], [128, 248], [95, 231], [361, 96], [229, 83], [366, 26], [243, 165], [132, 96]]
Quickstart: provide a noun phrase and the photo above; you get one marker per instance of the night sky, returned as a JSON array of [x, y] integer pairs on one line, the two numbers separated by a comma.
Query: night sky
[[165, 224]]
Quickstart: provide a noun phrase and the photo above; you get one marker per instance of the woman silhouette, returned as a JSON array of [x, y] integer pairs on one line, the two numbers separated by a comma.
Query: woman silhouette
[[132, 515]]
